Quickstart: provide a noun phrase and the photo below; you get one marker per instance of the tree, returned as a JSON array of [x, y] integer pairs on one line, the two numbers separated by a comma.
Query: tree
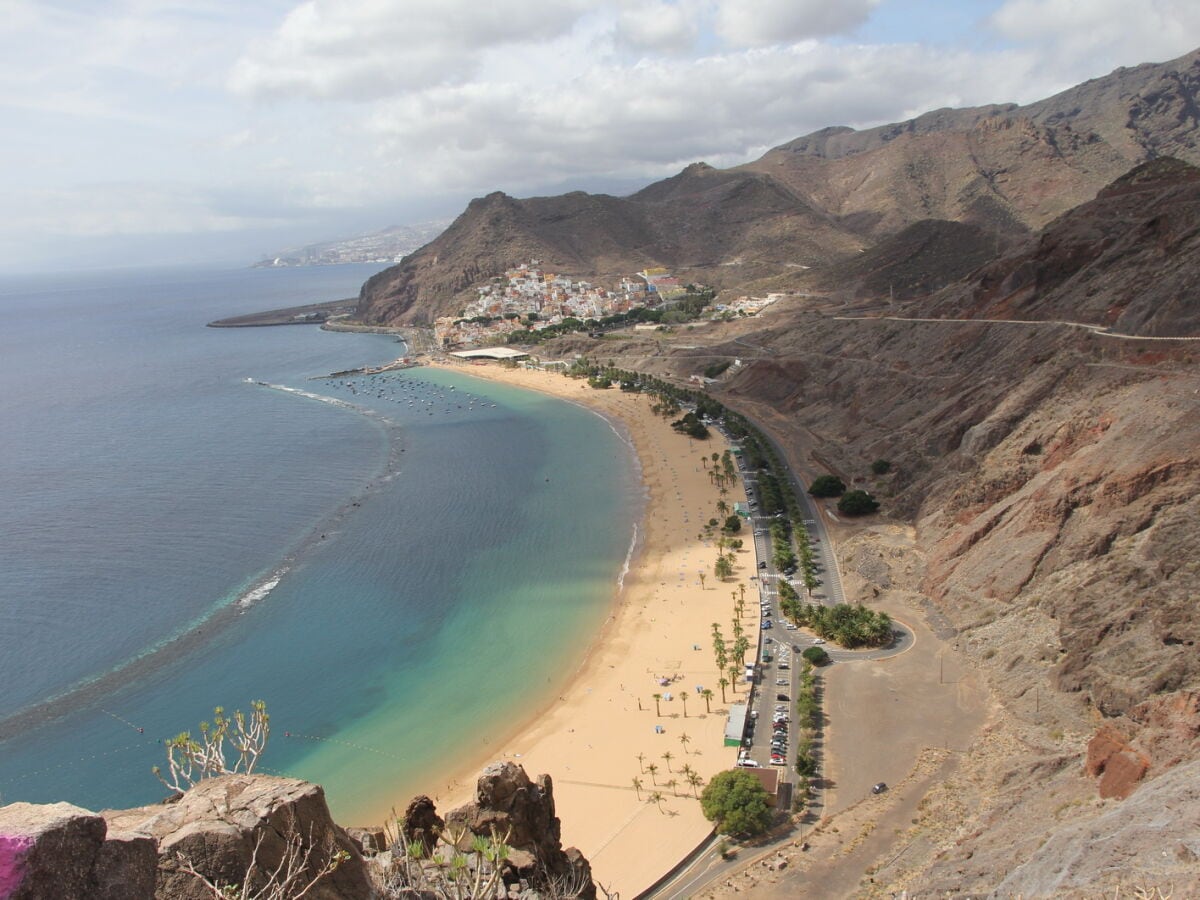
[[881, 467], [684, 740], [656, 798], [816, 656], [723, 568], [683, 699], [702, 577], [671, 782], [722, 684], [736, 802], [190, 761], [637, 786], [653, 770], [657, 708], [641, 758], [667, 757], [707, 694], [733, 524], [827, 486], [857, 503], [695, 781]]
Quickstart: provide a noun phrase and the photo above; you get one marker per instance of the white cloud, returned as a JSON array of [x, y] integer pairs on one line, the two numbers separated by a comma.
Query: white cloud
[[1104, 33], [658, 26], [653, 117], [131, 117], [757, 23], [330, 49]]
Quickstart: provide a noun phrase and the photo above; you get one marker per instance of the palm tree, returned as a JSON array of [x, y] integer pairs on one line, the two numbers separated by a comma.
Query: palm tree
[[637, 786], [683, 698], [653, 770], [641, 758], [656, 798], [702, 577], [668, 756], [684, 740], [724, 683], [685, 770], [671, 784], [657, 710], [707, 694], [694, 780], [733, 674]]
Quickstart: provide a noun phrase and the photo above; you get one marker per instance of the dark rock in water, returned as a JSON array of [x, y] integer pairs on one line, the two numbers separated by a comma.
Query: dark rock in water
[[422, 824], [61, 851]]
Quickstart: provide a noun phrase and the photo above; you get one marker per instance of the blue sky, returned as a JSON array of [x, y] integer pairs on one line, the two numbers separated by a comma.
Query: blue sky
[[145, 131]]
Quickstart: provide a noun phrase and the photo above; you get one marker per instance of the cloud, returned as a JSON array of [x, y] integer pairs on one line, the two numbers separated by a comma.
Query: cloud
[[653, 117], [329, 49], [757, 23], [1104, 33], [658, 26]]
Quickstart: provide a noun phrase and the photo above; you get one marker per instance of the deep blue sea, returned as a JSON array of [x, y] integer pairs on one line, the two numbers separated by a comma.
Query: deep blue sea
[[396, 564]]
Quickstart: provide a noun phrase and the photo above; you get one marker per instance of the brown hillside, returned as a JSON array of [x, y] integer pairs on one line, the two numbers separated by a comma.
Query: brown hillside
[[1128, 260]]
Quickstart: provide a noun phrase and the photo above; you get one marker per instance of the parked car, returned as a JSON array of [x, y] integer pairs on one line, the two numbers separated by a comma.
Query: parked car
[[879, 788], [781, 697]]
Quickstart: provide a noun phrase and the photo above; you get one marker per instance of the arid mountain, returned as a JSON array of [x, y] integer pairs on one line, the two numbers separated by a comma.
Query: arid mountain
[[1090, 265], [819, 199], [720, 227], [1052, 473], [1005, 167]]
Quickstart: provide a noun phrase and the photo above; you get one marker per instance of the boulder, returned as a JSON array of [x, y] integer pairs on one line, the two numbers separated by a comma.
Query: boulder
[[223, 825], [64, 852]]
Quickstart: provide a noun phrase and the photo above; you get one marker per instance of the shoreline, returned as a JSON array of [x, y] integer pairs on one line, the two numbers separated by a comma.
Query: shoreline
[[588, 731]]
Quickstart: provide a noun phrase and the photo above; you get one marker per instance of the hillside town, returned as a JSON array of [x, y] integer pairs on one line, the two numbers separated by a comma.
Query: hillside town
[[528, 299]]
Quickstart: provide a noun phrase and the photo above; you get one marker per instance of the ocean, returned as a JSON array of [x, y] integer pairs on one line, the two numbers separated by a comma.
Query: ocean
[[401, 566]]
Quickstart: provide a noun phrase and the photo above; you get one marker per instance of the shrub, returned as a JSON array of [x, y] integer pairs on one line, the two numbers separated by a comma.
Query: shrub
[[816, 656], [881, 467], [827, 486], [857, 503]]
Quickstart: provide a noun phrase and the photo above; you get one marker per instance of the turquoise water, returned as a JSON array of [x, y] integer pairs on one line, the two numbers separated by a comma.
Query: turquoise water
[[396, 574]]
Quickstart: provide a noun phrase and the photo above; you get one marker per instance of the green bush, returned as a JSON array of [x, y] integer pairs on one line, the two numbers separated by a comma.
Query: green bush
[[881, 467], [857, 503], [816, 656], [827, 486]]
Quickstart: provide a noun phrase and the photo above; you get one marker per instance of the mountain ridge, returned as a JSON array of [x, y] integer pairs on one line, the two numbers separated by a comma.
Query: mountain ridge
[[818, 200]]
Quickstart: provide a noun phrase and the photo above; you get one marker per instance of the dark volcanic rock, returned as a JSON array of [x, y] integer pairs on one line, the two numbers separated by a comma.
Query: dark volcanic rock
[[422, 825], [521, 812]]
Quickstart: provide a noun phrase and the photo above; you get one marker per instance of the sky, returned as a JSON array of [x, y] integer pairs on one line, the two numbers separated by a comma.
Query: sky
[[141, 132]]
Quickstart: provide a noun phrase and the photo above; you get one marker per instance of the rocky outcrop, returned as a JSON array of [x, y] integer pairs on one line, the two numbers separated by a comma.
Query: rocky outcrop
[[422, 825], [63, 852], [255, 830], [1118, 766], [223, 824], [521, 812]]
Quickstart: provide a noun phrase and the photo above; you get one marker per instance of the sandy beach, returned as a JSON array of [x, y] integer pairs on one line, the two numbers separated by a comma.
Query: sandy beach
[[603, 731]]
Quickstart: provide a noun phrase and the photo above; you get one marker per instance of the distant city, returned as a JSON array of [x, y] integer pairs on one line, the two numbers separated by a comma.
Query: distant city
[[387, 246], [528, 299]]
